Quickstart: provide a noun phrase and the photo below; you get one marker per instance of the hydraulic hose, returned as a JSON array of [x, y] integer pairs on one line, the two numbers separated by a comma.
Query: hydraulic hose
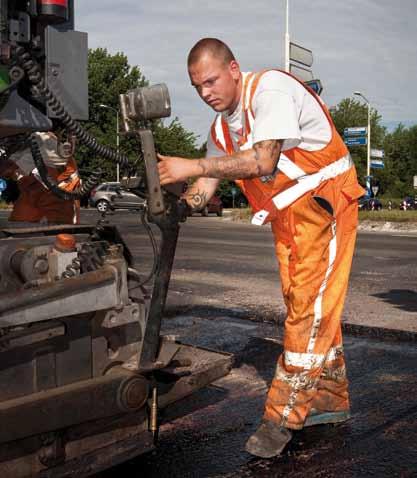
[[81, 191], [34, 74]]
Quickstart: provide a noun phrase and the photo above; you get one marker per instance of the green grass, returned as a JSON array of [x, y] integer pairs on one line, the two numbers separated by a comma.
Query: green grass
[[395, 215], [385, 215], [242, 214]]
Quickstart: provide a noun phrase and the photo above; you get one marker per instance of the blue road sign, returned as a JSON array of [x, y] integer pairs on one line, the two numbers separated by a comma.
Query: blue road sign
[[355, 131], [377, 164], [315, 85], [3, 185], [356, 141]]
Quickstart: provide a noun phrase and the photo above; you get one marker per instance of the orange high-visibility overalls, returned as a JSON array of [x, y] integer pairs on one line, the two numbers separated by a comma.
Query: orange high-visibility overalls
[[312, 205], [37, 203]]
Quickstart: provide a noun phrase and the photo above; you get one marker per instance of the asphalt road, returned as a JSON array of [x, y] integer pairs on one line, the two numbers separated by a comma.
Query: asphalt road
[[224, 274], [226, 266], [210, 429], [225, 295]]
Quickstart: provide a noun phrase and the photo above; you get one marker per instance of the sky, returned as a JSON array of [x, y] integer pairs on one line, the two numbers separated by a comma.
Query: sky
[[358, 45]]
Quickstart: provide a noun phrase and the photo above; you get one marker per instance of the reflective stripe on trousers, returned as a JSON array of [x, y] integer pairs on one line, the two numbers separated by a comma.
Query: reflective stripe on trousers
[[314, 251]]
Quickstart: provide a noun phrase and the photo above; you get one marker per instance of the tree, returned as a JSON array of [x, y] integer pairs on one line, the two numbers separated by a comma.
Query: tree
[[109, 76], [175, 140], [400, 160]]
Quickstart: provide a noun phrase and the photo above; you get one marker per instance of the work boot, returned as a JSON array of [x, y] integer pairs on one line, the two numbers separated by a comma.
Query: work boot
[[318, 417], [269, 440]]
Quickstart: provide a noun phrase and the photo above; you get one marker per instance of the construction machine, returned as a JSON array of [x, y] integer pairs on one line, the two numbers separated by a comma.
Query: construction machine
[[84, 369]]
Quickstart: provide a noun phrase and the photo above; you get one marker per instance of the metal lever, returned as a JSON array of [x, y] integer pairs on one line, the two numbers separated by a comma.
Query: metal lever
[[156, 200]]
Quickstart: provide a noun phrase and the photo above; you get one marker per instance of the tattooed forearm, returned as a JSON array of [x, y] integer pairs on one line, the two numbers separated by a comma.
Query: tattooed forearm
[[196, 199], [236, 166], [252, 163]]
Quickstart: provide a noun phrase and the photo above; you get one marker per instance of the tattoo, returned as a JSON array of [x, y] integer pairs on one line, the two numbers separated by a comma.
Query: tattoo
[[197, 200], [253, 163], [235, 166], [269, 147]]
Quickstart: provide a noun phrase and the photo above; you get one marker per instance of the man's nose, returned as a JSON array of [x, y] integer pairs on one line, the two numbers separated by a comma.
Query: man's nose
[[205, 93]]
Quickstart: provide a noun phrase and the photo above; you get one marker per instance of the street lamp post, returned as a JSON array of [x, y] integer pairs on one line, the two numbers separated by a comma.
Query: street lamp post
[[368, 157], [117, 136], [287, 37]]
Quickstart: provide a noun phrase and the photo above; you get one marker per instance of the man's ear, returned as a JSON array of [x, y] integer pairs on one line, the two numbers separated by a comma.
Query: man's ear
[[234, 69]]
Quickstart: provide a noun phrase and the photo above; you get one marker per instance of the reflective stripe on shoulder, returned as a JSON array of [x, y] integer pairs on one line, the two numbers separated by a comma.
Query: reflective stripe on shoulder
[[248, 90], [252, 89], [227, 138], [218, 135]]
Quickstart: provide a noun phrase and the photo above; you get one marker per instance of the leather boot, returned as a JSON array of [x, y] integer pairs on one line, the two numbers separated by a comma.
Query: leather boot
[[269, 440]]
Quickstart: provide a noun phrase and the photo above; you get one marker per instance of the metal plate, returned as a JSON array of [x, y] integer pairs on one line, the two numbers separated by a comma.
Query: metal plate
[[67, 70]]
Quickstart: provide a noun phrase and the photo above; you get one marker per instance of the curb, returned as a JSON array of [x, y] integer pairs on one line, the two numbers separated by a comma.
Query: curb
[[379, 333], [356, 330]]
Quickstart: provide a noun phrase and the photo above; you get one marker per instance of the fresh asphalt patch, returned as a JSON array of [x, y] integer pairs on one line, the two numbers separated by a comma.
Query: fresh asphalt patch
[[204, 435]]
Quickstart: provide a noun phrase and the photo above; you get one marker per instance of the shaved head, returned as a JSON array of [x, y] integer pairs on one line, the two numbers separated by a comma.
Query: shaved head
[[215, 74], [213, 47]]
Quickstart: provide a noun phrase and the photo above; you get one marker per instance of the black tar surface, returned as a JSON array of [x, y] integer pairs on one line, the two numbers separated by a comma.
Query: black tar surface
[[204, 435]]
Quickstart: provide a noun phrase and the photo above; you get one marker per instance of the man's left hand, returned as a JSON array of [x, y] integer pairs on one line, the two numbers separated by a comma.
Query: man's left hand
[[173, 169]]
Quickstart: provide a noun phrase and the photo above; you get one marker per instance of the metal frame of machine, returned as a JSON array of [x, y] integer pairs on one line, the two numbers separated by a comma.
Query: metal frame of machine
[[84, 371]]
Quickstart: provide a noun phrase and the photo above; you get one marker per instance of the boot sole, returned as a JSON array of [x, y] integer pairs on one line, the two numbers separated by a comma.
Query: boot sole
[[326, 418]]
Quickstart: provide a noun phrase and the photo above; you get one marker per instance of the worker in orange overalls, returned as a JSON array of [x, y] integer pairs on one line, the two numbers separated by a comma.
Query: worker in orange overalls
[[275, 138], [36, 203]]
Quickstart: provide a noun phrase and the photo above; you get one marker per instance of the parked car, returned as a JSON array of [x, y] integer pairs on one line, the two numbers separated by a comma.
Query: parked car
[[113, 195], [408, 203], [214, 206], [370, 204]]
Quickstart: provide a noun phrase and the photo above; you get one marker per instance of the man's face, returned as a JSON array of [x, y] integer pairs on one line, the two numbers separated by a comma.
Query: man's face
[[217, 83]]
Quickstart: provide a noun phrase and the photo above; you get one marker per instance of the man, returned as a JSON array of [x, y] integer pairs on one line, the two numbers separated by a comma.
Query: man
[[275, 138], [36, 203]]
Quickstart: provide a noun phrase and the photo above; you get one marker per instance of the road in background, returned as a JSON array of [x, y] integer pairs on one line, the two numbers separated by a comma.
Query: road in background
[[224, 265], [221, 264]]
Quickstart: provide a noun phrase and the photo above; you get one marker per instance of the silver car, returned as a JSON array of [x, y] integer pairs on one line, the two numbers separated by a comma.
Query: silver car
[[112, 195]]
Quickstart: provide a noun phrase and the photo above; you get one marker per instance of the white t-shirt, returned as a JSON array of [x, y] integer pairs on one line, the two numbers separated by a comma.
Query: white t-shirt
[[283, 110]]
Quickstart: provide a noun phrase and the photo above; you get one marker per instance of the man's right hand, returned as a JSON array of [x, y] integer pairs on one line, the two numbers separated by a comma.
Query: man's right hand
[[174, 169]]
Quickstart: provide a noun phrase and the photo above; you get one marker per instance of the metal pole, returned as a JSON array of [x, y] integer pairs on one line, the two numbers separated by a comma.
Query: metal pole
[[368, 150], [117, 136], [287, 37], [117, 145], [368, 164]]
